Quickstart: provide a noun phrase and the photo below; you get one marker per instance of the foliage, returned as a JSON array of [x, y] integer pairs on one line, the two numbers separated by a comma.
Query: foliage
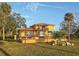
[[59, 34], [10, 21], [5, 10], [20, 20], [15, 21], [68, 25], [68, 17], [64, 26]]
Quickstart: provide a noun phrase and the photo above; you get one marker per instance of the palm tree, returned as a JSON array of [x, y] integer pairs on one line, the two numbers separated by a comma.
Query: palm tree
[[69, 18]]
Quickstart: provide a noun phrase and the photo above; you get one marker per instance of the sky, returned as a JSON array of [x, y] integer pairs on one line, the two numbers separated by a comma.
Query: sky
[[45, 12]]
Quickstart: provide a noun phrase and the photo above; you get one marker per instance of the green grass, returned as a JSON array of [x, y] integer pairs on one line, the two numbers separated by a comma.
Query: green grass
[[38, 49]]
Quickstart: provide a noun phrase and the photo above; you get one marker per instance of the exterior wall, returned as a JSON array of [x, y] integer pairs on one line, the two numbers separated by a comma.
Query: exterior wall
[[36, 41], [48, 40], [36, 27], [46, 33], [50, 28], [29, 41], [22, 34]]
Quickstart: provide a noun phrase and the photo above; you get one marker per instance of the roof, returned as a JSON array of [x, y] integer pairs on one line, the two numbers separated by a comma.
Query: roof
[[43, 24], [27, 29], [31, 29]]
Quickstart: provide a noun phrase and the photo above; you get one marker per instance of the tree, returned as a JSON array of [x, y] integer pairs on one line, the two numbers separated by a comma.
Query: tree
[[10, 26], [20, 20], [9, 22], [14, 21], [59, 34], [5, 9], [69, 18]]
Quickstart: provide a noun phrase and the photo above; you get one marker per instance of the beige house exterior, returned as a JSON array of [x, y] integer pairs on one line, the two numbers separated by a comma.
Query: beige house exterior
[[37, 33]]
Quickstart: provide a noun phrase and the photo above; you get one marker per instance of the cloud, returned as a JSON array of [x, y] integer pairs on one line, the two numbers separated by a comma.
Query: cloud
[[25, 16], [33, 6]]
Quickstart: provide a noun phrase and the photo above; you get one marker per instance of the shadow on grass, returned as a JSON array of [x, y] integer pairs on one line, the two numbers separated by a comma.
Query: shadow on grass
[[19, 41], [58, 49], [4, 52]]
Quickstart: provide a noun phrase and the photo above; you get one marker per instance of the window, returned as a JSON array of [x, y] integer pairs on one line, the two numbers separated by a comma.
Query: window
[[42, 33], [50, 33], [29, 34]]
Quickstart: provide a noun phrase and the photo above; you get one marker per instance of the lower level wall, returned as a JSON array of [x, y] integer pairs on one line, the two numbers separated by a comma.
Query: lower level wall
[[36, 41], [28, 41]]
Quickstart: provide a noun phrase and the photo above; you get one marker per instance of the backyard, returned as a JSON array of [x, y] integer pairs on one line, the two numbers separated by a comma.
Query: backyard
[[9, 48]]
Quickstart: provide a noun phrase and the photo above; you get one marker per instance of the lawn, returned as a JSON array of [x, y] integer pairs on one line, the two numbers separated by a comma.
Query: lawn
[[8, 48]]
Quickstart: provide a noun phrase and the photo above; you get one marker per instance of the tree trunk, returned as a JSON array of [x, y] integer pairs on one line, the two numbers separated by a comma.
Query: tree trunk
[[69, 33], [3, 33]]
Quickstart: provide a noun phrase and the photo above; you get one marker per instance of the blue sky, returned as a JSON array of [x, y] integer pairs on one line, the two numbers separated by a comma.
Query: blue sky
[[45, 12]]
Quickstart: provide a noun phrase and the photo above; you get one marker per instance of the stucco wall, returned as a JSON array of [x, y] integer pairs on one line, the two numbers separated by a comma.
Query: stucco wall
[[50, 28], [36, 41]]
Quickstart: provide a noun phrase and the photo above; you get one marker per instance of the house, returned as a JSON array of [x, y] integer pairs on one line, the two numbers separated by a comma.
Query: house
[[40, 32]]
